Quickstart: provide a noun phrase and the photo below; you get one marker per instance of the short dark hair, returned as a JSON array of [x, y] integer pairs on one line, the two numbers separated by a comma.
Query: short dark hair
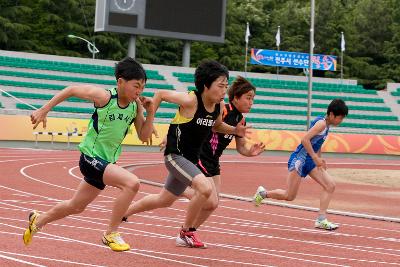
[[207, 72], [240, 87], [130, 69], [338, 108]]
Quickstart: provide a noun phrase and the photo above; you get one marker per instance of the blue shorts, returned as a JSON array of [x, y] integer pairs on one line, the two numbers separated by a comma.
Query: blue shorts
[[303, 166]]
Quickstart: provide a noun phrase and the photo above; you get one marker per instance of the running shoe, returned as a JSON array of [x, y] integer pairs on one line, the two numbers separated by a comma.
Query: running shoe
[[115, 242], [326, 225], [32, 228], [258, 198], [189, 239]]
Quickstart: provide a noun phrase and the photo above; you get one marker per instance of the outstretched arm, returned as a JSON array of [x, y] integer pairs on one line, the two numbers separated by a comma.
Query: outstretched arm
[[249, 151], [222, 127], [182, 99], [92, 93]]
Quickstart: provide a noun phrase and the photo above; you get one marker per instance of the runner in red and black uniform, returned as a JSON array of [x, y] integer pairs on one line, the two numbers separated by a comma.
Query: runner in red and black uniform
[[241, 95]]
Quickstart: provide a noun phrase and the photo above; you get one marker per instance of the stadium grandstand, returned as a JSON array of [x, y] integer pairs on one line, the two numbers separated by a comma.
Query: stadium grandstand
[[280, 101]]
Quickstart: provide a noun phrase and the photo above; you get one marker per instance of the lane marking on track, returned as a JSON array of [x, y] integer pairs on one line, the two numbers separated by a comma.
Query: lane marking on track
[[234, 247], [238, 219], [132, 251], [245, 210], [20, 261], [17, 160], [169, 254], [225, 245], [275, 203], [50, 259]]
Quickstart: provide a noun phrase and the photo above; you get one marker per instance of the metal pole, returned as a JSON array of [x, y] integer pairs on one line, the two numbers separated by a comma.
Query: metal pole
[[278, 41], [93, 51], [310, 70], [186, 54], [341, 67], [91, 46], [132, 46], [245, 60], [277, 67]]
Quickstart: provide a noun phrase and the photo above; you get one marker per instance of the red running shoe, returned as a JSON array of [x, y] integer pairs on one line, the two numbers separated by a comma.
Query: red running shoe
[[188, 239]]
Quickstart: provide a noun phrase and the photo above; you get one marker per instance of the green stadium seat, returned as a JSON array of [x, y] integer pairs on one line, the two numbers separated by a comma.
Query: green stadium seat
[[39, 96], [396, 93], [315, 113], [303, 122], [58, 108], [67, 67], [293, 85]]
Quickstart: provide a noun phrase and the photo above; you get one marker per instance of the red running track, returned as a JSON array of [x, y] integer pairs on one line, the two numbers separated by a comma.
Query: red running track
[[238, 234]]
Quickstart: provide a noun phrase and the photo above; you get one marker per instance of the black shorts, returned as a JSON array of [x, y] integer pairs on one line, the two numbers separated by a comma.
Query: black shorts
[[209, 167], [93, 170]]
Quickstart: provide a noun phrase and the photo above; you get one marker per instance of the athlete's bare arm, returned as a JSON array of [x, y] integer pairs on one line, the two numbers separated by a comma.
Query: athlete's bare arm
[[97, 95], [221, 127], [248, 150], [144, 126], [305, 141]]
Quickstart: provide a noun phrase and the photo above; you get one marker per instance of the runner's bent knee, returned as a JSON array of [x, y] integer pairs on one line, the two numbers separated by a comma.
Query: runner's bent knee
[[202, 185]]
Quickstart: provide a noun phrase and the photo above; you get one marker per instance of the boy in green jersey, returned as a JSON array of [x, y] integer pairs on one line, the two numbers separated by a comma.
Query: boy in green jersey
[[115, 110]]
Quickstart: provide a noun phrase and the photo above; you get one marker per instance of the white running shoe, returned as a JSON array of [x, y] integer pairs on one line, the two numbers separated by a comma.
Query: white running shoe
[[258, 198]]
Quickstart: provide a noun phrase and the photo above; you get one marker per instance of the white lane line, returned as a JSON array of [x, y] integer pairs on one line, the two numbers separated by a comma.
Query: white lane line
[[21, 261], [17, 160], [164, 253], [218, 216], [300, 218], [90, 220], [229, 231], [151, 163], [242, 220], [155, 235], [104, 247], [235, 247], [141, 234], [50, 259], [286, 205], [22, 171]]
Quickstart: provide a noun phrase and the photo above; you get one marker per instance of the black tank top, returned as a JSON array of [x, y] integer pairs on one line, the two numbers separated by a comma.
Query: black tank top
[[217, 142], [186, 136]]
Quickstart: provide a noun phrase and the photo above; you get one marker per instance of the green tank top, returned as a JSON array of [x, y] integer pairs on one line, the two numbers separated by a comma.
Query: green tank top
[[107, 129]]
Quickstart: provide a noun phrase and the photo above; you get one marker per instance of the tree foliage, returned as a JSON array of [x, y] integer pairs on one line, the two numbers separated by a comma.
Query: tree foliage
[[371, 28]]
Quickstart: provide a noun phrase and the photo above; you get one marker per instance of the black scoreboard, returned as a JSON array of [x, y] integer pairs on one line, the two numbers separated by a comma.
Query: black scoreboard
[[198, 20]]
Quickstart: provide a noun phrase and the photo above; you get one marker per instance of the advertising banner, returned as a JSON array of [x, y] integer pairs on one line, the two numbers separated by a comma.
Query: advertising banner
[[292, 59], [16, 128]]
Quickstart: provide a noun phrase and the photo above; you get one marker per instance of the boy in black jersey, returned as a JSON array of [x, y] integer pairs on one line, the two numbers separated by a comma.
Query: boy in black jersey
[[241, 95], [199, 112]]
